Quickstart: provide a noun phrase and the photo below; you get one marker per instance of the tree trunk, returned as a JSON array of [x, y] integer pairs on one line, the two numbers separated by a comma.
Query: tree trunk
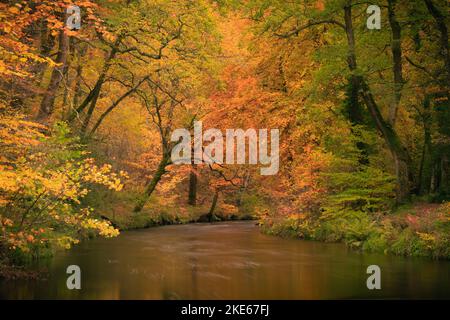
[[193, 186], [80, 52], [87, 118], [440, 181], [213, 206], [77, 90], [243, 189], [66, 95], [46, 43], [160, 171], [401, 156], [96, 92], [396, 48], [47, 104], [114, 105], [444, 187], [426, 161], [443, 30]]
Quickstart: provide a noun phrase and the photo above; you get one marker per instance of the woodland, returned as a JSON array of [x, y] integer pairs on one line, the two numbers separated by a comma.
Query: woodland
[[86, 118]]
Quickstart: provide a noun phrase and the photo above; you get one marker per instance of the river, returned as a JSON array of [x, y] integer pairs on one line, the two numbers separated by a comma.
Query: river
[[227, 261]]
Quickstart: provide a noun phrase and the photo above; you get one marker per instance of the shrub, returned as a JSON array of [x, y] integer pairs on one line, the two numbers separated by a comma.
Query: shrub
[[43, 177]]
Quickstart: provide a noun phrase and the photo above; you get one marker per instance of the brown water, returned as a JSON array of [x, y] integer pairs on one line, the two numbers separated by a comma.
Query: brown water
[[227, 261]]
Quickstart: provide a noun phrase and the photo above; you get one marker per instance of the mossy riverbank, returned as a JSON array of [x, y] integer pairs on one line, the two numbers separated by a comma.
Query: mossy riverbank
[[417, 230]]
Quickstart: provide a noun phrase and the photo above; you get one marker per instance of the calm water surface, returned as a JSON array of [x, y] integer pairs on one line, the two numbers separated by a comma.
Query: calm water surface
[[227, 261]]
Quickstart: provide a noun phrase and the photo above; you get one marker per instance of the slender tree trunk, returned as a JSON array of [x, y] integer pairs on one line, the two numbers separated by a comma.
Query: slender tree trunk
[[426, 161], [396, 48], [213, 206], [78, 78], [193, 185], [77, 89], [96, 93], [243, 189], [91, 109], [90, 96], [284, 86], [47, 104], [47, 44], [66, 96], [444, 187], [160, 171]]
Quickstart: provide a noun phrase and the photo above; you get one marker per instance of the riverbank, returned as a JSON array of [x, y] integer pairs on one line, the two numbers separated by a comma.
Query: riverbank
[[417, 230], [145, 219], [117, 208]]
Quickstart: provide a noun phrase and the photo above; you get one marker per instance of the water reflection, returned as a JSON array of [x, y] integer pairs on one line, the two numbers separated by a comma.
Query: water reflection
[[228, 261]]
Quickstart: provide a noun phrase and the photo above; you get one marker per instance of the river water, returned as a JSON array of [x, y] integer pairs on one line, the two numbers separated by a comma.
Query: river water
[[227, 261]]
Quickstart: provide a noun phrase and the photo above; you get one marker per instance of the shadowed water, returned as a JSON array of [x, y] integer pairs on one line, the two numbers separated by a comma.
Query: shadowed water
[[227, 261]]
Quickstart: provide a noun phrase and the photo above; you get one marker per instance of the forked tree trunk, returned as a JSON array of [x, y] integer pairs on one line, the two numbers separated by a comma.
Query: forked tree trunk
[[114, 105], [93, 95], [90, 112], [401, 157]]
